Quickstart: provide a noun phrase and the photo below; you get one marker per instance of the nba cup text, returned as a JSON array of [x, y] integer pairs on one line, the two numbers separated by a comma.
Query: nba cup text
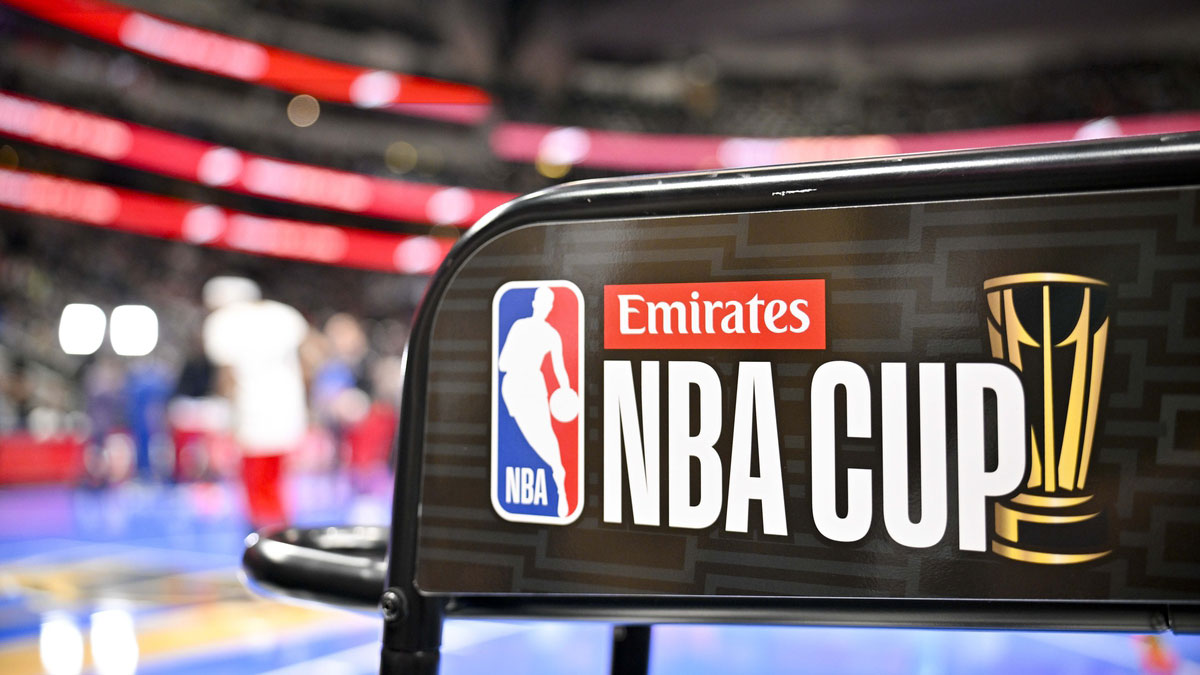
[[840, 398]]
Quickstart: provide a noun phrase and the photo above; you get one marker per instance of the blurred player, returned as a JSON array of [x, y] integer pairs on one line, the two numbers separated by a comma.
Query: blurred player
[[258, 341]]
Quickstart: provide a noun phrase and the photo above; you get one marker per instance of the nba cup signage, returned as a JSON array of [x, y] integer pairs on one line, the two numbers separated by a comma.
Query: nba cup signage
[[1019, 482], [978, 399], [537, 379]]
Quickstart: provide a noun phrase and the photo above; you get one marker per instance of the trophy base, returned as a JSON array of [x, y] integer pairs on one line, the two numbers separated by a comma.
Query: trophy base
[[1049, 530]]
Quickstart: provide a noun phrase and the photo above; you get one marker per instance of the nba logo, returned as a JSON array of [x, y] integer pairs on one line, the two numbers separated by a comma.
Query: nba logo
[[537, 385]]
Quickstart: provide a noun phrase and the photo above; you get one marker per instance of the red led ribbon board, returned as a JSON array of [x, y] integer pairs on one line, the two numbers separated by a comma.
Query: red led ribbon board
[[239, 59], [179, 156], [203, 224], [628, 151]]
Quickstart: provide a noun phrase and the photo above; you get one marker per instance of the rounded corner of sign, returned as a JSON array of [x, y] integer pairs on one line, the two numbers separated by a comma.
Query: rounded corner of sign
[[496, 221], [510, 517], [518, 517], [574, 289], [504, 287], [573, 516], [533, 519], [416, 581]]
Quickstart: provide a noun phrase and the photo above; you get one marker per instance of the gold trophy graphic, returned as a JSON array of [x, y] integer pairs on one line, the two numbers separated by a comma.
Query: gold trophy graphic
[[1053, 328]]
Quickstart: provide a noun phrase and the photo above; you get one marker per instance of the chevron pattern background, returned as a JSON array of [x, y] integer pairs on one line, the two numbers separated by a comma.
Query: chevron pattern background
[[904, 284]]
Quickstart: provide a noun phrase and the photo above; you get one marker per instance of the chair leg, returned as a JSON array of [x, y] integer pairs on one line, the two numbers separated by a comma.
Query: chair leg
[[631, 649], [408, 663]]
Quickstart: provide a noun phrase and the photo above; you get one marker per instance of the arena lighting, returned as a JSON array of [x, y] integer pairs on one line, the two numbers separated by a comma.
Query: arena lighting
[[238, 59], [114, 640], [81, 329], [60, 645], [133, 330], [179, 156], [303, 110], [550, 147], [207, 225]]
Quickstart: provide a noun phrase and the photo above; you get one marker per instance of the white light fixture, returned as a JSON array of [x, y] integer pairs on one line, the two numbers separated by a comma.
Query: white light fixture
[[81, 329], [114, 642], [134, 330], [60, 645]]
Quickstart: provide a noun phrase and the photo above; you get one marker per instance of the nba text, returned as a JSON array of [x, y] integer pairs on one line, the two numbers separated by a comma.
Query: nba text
[[699, 488], [524, 485]]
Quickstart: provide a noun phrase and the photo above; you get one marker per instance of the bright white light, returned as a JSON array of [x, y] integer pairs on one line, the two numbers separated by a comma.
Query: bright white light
[[1105, 127], [417, 255], [114, 642], [81, 329], [449, 205], [739, 152], [134, 330], [60, 646], [203, 224], [219, 166], [564, 146], [374, 89]]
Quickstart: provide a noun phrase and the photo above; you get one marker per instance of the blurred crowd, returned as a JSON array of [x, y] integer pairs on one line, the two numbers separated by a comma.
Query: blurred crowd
[[180, 412]]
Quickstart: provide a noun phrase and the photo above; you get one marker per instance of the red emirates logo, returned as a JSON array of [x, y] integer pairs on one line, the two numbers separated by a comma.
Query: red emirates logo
[[734, 315]]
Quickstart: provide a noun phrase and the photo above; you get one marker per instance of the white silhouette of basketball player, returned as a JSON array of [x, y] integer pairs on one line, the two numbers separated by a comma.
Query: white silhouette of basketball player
[[524, 386]]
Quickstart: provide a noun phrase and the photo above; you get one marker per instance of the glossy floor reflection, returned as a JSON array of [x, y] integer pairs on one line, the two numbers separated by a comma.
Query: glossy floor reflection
[[144, 578]]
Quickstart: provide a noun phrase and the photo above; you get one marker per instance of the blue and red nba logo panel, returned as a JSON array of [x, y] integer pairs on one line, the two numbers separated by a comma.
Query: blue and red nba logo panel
[[537, 405]]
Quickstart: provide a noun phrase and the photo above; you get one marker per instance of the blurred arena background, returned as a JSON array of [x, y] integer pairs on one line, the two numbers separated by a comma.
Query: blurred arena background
[[332, 151]]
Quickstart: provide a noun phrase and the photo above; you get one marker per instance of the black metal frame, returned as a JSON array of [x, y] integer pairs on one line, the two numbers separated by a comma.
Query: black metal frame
[[413, 619], [338, 565]]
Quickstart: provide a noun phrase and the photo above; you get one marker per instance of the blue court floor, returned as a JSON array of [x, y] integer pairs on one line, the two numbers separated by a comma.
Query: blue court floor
[[144, 578]]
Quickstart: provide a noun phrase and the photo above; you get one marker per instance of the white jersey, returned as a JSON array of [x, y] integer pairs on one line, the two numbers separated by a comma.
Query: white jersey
[[259, 342]]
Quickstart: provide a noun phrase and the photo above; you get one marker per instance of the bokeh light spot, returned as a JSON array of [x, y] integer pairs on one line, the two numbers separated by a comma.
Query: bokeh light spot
[[303, 110]]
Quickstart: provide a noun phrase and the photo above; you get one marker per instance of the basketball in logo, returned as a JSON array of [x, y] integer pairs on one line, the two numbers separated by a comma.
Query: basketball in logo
[[537, 402]]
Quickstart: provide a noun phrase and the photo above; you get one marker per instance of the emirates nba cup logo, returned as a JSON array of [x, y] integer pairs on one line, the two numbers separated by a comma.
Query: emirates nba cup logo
[[1028, 466], [1053, 329], [537, 385]]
